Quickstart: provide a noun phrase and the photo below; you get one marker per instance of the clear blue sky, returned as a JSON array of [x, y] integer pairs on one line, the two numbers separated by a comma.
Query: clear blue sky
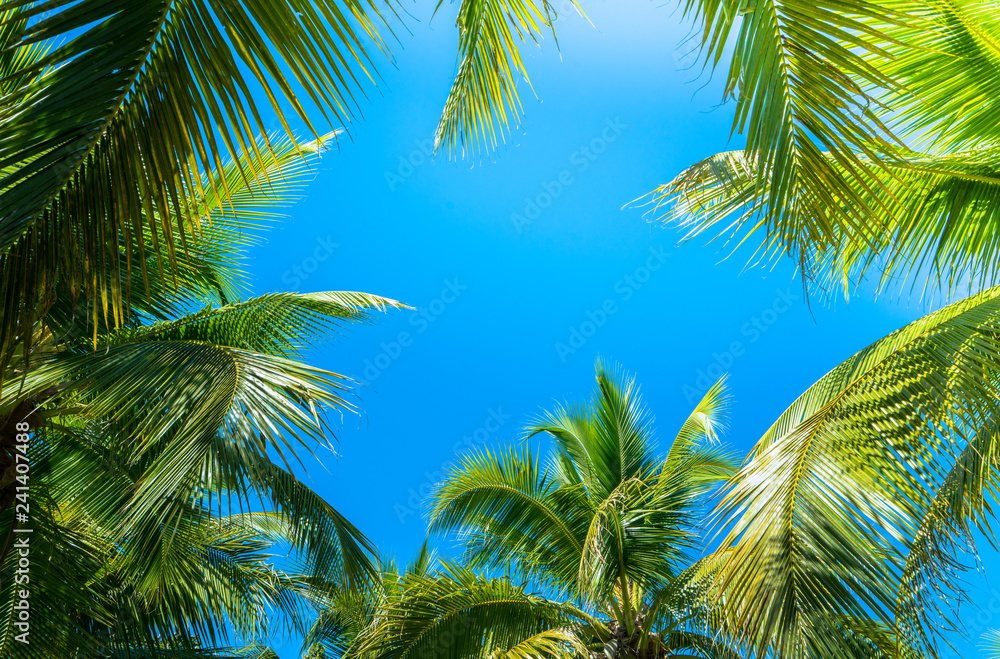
[[496, 296]]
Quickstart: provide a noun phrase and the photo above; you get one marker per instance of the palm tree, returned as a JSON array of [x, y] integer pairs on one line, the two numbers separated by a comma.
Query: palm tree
[[141, 425], [608, 528], [864, 154], [117, 119], [346, 618]]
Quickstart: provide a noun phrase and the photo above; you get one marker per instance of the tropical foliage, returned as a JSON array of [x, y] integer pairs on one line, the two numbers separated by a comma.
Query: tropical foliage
[[864, 495], [871, 142], [607, 528], [124, 112], [870, 148], [484, 105], [151, 431], [991, 642], [165, 404], [155, 425]]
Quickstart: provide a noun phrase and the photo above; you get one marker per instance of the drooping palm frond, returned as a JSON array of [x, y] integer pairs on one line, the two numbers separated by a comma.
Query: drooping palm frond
[[148, 590], [552, 643], [483, 105], [803, 81], [461, 615], [861, 202], [199, 405], [113, 132], [964, 502], [207, 268], [947, 57], [852, 497], [991, 643], [929, 215], [519, 517]]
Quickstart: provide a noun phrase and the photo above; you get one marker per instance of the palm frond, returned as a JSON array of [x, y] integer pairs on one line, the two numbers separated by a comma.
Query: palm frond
[[841, 481], [483, 105], [118, 125], [929, 215], [458, 614], [802, 77]]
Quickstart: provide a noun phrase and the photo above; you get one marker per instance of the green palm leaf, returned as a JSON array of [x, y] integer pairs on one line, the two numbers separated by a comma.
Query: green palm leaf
[[931, 214], [118, 125], [844, 485], [483, 105], [461, 615]]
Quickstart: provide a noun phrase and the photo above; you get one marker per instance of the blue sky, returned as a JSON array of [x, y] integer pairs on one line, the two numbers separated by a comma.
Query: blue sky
[[523, 268]]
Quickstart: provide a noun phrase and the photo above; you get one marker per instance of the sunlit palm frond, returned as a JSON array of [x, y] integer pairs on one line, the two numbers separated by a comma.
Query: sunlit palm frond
[[608, 442], [802, 76], [509, 502], [991, 643], [207, 398], [483, 105], [822, 179], [607, 523], [819, 520], [547, 644], [934, 215], [119, 125], [461, 615], [947, 57], [704, 422]]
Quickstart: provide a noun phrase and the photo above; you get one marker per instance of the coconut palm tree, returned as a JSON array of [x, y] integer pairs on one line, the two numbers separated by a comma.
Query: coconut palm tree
[[117, 119], [608, 529], [141, 425], [864, 155]]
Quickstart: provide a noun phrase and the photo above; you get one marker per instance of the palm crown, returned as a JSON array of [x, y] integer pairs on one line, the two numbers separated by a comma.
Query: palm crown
[[607, 526]]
